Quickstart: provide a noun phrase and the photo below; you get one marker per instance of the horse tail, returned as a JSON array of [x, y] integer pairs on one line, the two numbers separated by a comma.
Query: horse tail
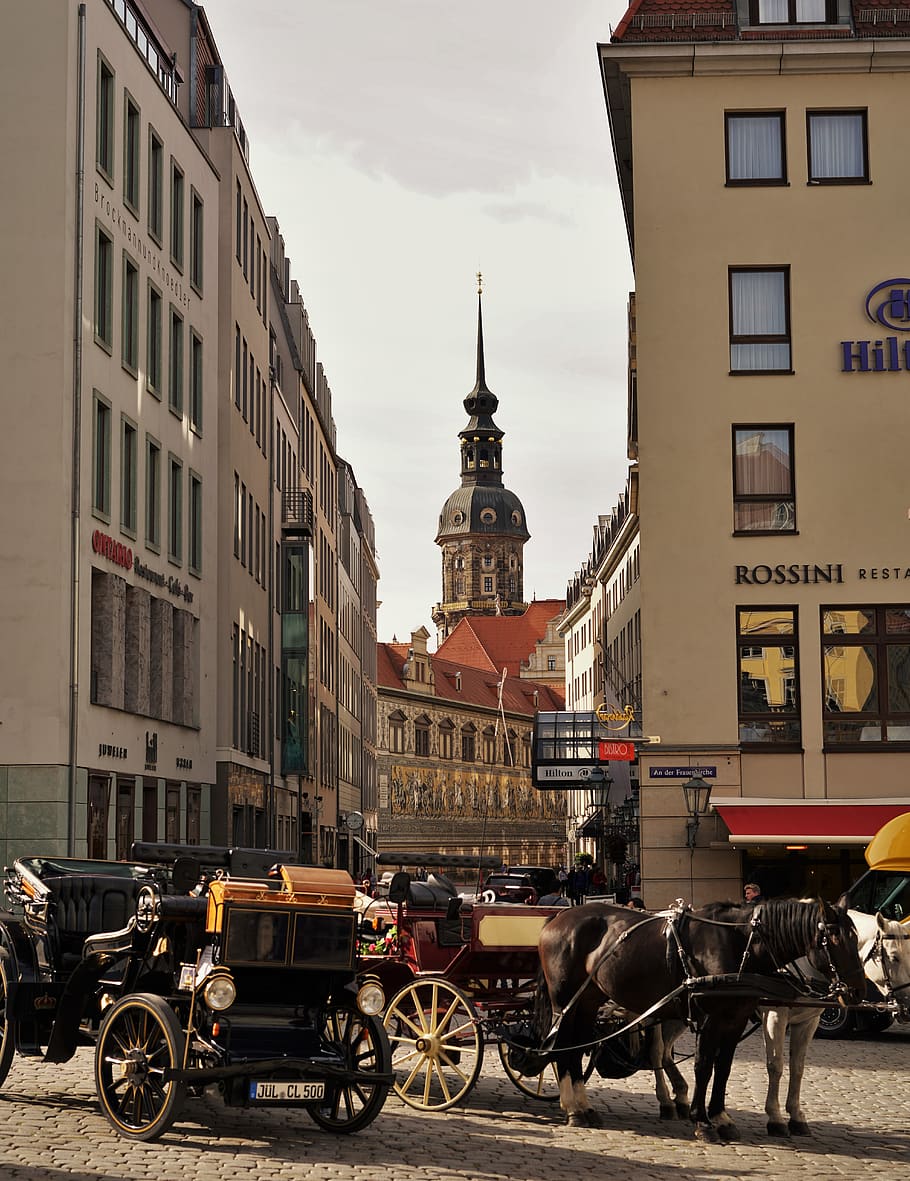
[[541, 1010]]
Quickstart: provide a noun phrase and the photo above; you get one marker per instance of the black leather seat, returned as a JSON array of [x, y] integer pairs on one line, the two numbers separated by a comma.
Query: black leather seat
[[89, 904]]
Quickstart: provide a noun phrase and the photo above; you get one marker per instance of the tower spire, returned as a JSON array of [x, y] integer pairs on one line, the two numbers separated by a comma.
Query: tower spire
[[481, 385]]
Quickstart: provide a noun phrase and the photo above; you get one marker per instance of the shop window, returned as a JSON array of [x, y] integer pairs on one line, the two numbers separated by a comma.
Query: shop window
[[865, 675], [768, 670], [755, 149], [760, 320], [99, 798], [763, 496]]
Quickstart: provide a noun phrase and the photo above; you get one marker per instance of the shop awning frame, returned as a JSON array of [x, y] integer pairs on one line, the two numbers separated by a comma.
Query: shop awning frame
[[756, 821]]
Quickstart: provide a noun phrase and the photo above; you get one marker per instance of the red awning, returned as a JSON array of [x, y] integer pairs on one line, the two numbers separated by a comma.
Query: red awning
[[821, 822]]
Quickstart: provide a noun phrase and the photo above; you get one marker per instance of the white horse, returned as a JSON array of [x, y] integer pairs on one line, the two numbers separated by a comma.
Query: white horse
[[884, 948]]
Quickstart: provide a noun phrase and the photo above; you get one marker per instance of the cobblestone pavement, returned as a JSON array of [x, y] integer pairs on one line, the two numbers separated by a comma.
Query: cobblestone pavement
[[856, 1096]]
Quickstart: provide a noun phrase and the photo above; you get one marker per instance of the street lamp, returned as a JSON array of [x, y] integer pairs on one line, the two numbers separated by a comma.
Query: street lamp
[[697, 793]]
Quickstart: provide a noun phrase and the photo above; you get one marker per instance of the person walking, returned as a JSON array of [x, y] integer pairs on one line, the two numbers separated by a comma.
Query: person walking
[[752, 894]]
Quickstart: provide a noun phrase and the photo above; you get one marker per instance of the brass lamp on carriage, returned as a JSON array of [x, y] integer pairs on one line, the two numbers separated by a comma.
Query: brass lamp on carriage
[[697, 793]]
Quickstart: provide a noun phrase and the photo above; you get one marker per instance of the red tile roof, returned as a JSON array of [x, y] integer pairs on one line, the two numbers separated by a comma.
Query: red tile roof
[[497, 642], [479, 687], [715, 20]]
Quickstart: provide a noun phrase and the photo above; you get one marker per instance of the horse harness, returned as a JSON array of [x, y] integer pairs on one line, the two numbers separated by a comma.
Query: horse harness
[[877, 952], [691, 981]]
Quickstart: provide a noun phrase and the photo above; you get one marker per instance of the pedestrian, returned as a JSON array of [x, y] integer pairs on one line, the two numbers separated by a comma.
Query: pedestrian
[[635, 904], [752, 893]]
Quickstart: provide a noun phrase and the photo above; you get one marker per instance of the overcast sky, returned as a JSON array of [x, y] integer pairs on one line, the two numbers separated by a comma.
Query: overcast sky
[[403, 145]]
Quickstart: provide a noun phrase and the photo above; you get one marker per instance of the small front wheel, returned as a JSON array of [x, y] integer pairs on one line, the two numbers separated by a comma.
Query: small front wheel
[[140, 1038], [835, 1022], [7, 1032]]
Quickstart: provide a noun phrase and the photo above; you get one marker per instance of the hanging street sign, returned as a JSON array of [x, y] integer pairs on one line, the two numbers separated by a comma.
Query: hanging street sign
[[623, 752]]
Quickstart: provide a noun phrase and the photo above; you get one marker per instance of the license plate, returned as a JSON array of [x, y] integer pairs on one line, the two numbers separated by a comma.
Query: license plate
[[290, 1092]]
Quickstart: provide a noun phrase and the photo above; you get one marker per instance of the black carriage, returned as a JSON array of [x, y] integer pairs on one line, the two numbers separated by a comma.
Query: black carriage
[[191, 968]]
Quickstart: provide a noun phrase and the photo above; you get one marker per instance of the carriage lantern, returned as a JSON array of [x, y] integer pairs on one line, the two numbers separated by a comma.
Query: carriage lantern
[[697, 792]]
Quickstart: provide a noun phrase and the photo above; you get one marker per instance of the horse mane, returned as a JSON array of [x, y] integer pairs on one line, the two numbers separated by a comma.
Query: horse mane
[[789, 926]]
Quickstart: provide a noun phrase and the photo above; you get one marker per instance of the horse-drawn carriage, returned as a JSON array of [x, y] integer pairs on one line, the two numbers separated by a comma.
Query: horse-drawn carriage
[[461, 973], [188, 968]]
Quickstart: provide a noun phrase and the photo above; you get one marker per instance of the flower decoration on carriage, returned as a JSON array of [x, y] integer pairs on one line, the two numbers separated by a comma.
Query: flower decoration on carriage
[[385, 942]]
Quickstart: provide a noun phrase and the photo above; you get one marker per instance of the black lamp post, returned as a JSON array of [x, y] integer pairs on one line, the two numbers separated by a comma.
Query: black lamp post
[[697, 792]]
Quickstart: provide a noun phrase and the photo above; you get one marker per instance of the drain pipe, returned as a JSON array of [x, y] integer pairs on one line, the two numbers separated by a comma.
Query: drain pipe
[[79, 247]]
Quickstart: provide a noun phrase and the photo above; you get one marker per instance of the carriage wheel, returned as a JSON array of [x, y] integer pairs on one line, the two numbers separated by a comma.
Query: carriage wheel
[[363, 1046], [7, 1030], [539, 1086], [437, 1044], [140, 1038]]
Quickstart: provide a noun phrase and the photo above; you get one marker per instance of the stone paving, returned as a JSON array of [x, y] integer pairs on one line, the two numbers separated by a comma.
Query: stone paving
[[856, 1096]]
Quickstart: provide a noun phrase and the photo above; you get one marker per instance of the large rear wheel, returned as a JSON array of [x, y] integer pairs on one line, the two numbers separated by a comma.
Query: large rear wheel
[[363, 1046], [437, 1044], [140, 1039], [542, 1085]]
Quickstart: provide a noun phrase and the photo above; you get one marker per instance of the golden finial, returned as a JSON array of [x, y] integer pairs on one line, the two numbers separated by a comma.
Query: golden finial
[[479, 283]]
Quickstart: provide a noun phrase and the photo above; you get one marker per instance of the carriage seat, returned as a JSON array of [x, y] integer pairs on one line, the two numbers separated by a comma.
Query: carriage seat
[[433, 894], [89, 904]]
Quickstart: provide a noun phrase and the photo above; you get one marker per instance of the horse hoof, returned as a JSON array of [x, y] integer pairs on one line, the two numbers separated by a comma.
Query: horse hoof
[[668, 1111], [683, 1111], [799, 1128], [729, 1133], [576, 1119], [778, 1129], [594, 1119], [708, 1133]]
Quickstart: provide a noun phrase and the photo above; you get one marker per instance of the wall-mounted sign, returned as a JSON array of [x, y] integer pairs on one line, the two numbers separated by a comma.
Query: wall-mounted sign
[[623, 752], [106, 751], [682, 772], [888, 305], [113, 550], [614, 717]]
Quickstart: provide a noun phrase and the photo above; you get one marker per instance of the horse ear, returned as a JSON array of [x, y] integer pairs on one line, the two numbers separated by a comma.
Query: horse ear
[[843, 903], [881, 920]]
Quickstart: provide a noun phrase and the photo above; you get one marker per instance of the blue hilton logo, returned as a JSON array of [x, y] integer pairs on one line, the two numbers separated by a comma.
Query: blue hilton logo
[[887, 304]]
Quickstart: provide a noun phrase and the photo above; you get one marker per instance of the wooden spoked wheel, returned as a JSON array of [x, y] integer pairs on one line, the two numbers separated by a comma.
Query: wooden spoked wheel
[[7, 1032], [140, 1039], [437, 1044]]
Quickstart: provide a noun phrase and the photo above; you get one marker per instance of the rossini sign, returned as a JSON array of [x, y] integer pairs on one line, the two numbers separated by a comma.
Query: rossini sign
[[811, 574], [887, 305]]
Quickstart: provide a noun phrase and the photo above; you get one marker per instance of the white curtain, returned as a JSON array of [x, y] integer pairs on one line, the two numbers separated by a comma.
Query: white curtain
[[773, 12], [759, 309], [836, 146], [754, 147]]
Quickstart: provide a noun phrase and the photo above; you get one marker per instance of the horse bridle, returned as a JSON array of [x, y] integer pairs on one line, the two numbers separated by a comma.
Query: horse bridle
[[877, 952]]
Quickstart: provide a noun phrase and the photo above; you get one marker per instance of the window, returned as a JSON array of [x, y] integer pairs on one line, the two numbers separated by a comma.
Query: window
[[176, 215], [838, 147], [156, 186], [551, 664], [195, 383], [755, 148], [175, 510], [101, 457], [196, 240], [760, 320], [239, 223], [175, 384], [131, 136], [396, 732], [104, 114], [422, 737], [793, 12], [489, 745], [153, 343], [194, 549], [767, 655], [866, 675], [763, 499], [129, 454], [488, 585], [152, 494], [130, 325], [446, 731], [468, 744], [104, 289]]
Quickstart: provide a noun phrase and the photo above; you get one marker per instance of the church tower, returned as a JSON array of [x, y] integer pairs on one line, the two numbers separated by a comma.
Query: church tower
[[482, 529]]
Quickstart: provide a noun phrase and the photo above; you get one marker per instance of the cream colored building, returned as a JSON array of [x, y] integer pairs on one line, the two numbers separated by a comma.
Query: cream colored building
[[757, 148]]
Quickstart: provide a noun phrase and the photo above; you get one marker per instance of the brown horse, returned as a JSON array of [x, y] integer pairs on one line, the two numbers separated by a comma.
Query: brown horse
[[706, 967]]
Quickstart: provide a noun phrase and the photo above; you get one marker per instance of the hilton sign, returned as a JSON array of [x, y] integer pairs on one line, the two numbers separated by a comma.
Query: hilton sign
[[887, 304]]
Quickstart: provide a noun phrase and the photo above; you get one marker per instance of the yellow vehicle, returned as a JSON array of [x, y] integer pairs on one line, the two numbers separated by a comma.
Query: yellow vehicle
[[885, 888]]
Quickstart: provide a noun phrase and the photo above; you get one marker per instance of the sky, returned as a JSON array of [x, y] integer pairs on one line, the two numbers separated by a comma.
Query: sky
[[403, 146]]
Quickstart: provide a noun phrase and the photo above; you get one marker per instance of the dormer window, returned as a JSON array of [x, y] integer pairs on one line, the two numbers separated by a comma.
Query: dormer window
[[793, 12]]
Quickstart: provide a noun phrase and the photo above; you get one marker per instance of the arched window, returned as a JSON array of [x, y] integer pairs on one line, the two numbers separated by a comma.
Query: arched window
[[396, 732], [469, 743], [446, 738], [422, 736]]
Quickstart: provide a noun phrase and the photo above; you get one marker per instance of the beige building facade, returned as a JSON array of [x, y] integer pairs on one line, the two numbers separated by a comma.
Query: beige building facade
[[762, 186], [169, 521]]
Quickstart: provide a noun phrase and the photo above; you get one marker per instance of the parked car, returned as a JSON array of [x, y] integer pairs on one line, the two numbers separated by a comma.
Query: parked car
[[509, 887], [544, 879]]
